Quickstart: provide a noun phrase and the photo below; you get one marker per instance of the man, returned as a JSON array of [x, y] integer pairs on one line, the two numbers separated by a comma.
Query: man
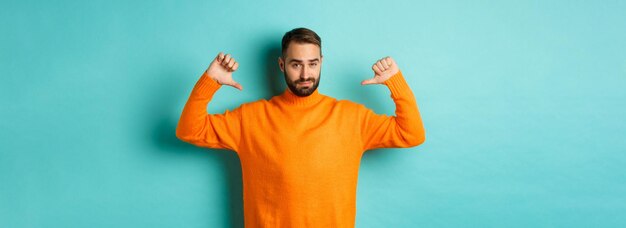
[[300, 151]]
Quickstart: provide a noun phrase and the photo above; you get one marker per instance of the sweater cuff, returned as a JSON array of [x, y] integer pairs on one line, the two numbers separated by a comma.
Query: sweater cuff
[[397, 85], [206, 86]]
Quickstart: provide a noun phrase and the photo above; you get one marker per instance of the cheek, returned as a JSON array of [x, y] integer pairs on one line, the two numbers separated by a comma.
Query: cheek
[[292, 74], [315, 71]]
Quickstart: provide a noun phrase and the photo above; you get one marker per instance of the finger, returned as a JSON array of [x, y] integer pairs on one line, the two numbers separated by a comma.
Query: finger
[[384, 63], [375, 69], [227, 59], [380, 66], [225, 63], [235, 66], [220, 57], [236, 85], [230, 60], [369, 81], [231, 64], [389, 61]]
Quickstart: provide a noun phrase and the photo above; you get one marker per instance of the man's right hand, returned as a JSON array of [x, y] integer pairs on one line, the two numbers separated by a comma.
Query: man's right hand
[[221, 70]]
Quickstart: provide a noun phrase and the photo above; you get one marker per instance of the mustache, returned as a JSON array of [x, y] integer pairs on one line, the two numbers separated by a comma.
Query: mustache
[[307, 80]]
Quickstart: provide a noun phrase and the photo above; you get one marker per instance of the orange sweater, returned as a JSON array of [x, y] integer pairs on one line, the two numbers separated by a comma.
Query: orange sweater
[[300, 156]]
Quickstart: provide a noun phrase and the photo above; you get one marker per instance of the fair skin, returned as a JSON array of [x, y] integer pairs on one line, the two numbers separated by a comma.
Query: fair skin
[[221, 70], [302, 63]]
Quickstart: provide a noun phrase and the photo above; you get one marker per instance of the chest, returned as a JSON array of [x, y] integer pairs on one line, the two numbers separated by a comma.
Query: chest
[[317, 142]]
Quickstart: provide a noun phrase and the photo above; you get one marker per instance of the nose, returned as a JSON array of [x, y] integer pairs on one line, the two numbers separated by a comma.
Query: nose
[[304, 74]]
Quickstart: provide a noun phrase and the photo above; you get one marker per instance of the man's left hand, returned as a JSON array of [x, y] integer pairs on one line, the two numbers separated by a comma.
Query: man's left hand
[[383, 69]]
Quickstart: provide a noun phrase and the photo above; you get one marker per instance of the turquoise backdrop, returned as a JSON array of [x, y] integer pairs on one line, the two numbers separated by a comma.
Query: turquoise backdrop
[[524, 104]]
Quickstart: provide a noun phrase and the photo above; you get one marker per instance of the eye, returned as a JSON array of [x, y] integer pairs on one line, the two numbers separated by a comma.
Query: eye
[[313, 64], [296, 65]]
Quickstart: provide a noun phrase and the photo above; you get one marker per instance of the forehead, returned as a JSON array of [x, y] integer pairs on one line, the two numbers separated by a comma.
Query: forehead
[[302, 51]]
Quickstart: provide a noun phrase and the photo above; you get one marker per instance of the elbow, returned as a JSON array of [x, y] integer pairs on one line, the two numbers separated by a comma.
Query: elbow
[[181, 134], [415, 137]]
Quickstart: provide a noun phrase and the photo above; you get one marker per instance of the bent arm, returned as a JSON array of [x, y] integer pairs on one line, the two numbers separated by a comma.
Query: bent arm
[[405, 129], [196, 126]]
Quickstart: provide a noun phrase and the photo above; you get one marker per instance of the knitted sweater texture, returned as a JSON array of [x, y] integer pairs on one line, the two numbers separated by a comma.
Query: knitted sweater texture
[[300, 156]]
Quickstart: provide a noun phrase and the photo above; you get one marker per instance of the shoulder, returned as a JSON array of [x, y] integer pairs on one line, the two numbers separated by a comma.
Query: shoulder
[[254, 104], [350, 105]]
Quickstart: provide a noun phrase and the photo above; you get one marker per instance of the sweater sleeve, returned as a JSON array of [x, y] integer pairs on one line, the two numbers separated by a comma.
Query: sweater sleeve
[[405, 129], [196, 126]]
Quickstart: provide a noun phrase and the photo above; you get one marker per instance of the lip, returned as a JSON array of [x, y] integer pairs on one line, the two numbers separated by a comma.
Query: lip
[[305, 83]]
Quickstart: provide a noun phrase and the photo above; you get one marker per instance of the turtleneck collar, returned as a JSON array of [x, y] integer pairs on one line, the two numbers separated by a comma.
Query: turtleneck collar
[[290, 98]]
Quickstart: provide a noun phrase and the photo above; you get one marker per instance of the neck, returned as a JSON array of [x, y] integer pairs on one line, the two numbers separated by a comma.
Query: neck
[[290, 98]]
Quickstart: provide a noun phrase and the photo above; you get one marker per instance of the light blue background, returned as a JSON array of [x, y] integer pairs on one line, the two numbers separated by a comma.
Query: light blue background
[[524, 104]]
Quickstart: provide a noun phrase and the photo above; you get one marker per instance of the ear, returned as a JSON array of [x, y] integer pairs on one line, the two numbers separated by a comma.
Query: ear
[[281, 64]]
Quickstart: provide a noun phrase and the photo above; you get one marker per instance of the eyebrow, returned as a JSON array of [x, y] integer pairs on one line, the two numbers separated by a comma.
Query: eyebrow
[[299, 60]]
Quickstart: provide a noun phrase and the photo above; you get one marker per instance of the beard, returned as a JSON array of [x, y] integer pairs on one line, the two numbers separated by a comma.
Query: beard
[[302, 91]]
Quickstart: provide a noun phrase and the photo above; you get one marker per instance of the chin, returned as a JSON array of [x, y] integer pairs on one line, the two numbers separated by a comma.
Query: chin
[[301, 91]]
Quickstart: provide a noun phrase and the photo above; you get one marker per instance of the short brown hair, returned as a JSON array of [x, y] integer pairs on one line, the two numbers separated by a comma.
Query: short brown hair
[[301, 35]]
